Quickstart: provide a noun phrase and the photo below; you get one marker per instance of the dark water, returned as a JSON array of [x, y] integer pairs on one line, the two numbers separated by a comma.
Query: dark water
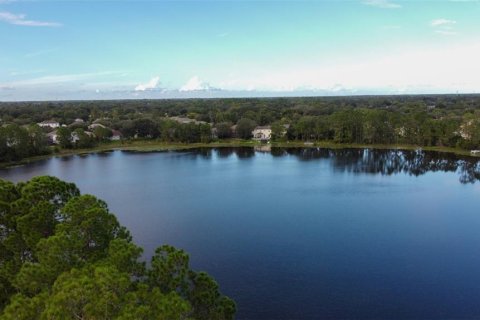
[[304, 234]]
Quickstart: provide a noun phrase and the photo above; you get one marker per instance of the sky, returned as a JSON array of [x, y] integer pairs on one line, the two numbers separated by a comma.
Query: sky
[[120, 49]]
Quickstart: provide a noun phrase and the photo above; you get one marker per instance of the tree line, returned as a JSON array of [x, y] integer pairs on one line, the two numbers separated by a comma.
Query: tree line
[[431, 120]]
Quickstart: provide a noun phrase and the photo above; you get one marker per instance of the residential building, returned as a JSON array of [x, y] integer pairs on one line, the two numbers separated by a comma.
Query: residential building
[[262, 133], [49, 123]]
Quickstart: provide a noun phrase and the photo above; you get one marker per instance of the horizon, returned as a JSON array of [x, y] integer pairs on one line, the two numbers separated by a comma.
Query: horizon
[[124, 50], [393, 96]]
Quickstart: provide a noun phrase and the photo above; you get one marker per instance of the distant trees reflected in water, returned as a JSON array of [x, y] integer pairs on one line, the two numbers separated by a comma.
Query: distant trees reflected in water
[[373, 161]]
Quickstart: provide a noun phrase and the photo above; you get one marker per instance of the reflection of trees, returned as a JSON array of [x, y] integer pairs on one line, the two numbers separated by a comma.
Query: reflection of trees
[[394, 161], [224, 152], [104, 154], [205, 153], [375, 161], [244, 153]]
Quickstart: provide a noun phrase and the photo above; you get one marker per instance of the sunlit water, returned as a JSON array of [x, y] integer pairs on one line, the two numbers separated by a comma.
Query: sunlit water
[[303, 234]]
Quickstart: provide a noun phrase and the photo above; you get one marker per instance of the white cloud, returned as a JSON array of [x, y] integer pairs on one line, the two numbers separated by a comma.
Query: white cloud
[[152, 84], [20, 20], [444, 27], [384, 4], [55, 80], [194, 84], [446, 32], [442, 22]]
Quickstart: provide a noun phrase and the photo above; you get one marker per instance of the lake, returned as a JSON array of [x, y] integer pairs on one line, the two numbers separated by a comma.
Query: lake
[[303, 233]]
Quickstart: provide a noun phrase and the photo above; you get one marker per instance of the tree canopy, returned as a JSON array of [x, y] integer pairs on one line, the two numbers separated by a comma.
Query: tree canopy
[[424, 120], [64, 255]]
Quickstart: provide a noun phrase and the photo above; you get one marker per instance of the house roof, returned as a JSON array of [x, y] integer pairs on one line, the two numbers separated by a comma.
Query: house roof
[[95, 125], [263, 128], [49, 122], [116, 133]]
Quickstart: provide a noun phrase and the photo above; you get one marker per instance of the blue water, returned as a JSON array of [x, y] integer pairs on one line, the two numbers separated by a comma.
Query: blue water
[[303, 234]]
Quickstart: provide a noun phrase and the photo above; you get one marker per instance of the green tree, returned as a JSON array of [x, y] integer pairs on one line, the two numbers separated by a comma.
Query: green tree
[[65, 256], [244, 128], [224, 130], [102, 133], [64, 136], [82, 139]]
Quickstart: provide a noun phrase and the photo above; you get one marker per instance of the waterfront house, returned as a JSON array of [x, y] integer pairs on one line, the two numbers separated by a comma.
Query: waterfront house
[[116, 135], [262, 133], [52, 137]]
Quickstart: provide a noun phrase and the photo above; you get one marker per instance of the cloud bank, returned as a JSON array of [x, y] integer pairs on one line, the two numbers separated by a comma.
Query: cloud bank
[[194, 84], [150, 85], [442, 22]]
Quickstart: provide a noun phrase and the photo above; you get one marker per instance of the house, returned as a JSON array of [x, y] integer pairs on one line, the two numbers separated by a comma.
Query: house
[[116, 135], [77, 122], [262, 133], [93, 126], [49, 123], [183, 120], [464, 130], [475, 152], [53, 137], [74, 137]]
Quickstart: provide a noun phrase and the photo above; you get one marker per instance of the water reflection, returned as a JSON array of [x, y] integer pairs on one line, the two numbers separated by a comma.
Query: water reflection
[[372, 161], [361, 161]]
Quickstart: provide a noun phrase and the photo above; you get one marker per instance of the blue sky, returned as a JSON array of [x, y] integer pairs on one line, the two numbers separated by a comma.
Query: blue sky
[[154, 49]]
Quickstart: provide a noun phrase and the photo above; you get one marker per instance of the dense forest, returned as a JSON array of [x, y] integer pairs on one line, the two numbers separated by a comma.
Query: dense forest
[[430, 120], [63, 255]]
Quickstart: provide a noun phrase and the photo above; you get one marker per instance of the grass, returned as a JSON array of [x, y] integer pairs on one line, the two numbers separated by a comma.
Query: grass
[[157, 146]]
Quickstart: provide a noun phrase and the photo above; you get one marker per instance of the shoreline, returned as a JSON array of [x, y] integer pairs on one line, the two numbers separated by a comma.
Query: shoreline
[[157, 146]]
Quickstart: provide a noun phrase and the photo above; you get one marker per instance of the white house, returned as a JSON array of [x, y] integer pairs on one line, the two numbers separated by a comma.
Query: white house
[[262, 133], [49, 123], [77, 121], [53, 137]]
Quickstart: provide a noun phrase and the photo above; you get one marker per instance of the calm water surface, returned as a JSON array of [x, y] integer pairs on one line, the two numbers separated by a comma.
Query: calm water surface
[[303, 234]]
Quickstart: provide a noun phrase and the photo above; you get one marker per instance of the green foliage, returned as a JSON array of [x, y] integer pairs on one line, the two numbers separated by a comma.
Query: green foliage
[[80, 139], [224, 130], [170, 273], [65, 256], [18, 142], [102, 133], [64, 137], [169, 270], [244, 128], [430, 120]]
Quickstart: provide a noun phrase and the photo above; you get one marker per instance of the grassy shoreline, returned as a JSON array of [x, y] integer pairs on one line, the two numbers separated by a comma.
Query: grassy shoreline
[[158, 146]]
